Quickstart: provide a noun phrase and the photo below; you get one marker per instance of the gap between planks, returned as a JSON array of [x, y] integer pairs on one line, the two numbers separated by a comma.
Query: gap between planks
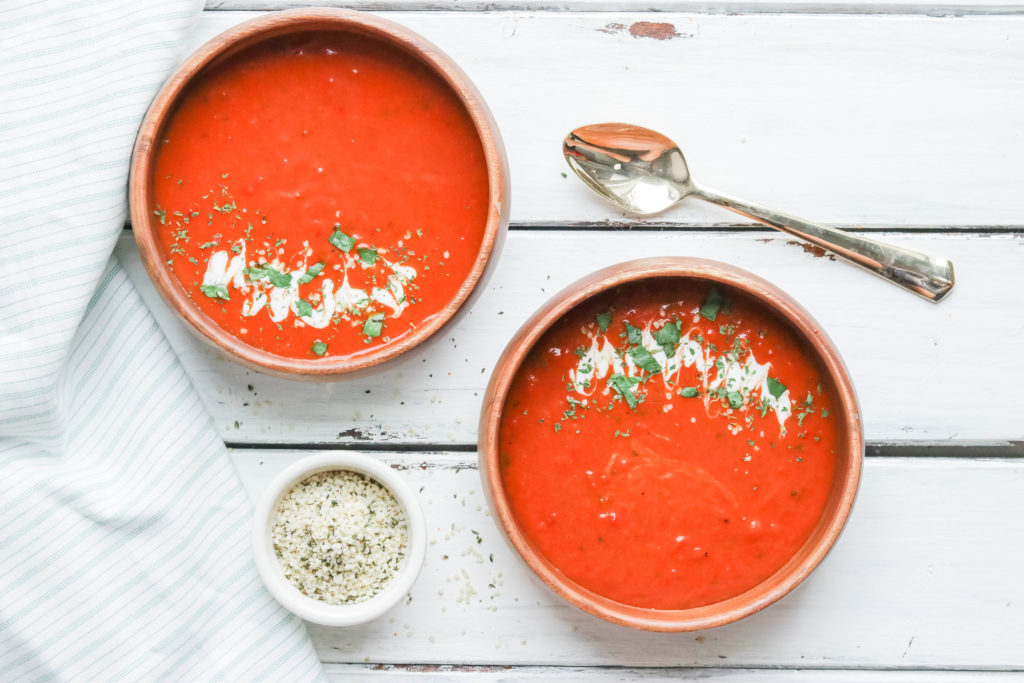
[[567, 674], [950, 449], [753, 229]]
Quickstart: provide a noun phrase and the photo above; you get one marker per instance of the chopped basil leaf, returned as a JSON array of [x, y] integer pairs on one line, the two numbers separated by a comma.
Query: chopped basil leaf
[[236, 248], [255, 273], [313, 271], [824, 412], [279, 279], [668, 336], [319, 348], [644, 360], [623, 386], [369, 256], [689, 392], [216, 291], [374, 325], [775, 387], [634, 334], [735, 399], [341, 240], [712, 303], [604, 320], [303, 308]]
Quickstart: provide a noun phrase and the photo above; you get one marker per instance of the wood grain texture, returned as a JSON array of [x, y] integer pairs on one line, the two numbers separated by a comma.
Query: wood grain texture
[[953, 8], [849, 120], [925, 575], [923, 372], [402, 673]]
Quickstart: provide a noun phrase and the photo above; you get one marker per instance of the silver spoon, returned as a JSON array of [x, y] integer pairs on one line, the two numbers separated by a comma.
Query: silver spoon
[[644, 172]]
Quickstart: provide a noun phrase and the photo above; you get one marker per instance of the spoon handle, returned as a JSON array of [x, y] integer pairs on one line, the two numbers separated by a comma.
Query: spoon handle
[[928, 276]]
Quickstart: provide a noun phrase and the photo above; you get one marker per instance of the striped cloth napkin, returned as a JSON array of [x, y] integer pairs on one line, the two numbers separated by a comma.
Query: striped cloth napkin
[[124, 551]]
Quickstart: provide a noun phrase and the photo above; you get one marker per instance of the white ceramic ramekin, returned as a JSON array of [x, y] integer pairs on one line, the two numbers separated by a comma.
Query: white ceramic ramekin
[[318, 611]]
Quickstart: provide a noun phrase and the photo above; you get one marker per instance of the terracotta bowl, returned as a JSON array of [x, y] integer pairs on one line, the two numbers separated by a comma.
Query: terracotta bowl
[[232, 41], [848, 457]]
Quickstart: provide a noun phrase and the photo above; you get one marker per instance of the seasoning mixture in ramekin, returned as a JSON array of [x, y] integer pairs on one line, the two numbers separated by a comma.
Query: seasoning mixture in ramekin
[[340, 537]]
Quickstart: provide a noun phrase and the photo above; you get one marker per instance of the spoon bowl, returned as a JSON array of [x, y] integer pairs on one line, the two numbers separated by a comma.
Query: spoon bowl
[[644, 172], [639, 170]]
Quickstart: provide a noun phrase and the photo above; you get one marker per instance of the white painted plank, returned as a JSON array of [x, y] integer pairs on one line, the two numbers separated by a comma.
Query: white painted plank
[[952, 8], [564, 674], [853, 120], [926, 574], [922, 371]]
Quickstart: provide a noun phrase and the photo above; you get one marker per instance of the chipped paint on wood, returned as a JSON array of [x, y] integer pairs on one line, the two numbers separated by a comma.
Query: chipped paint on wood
[[813, 249]]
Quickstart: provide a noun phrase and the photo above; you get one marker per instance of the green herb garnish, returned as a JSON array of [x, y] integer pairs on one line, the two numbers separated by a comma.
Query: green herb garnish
[[712, 303], [216, 291], [644, 360], [775, 387], [623, 386], [668, 336], [368, 256], [277, 278], [341, 240], [313, 271], [634, 334], [689, 392], [735, 399], [303, 308], [604, 320], [374, 325], [319, 348]]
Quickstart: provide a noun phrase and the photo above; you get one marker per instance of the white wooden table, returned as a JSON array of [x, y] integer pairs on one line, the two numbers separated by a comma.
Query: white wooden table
[[902, 119]]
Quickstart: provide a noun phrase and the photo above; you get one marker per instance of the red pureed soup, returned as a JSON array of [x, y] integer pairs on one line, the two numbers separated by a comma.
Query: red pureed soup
[[320, 195], [669, 443]]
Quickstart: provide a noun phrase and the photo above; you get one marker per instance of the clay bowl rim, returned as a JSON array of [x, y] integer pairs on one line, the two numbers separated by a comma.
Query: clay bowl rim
[[837, 508], [264, 28]]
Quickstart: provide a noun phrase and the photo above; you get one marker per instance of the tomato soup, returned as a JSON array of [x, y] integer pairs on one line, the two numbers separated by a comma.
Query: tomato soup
[[320, 195], [669, 444]]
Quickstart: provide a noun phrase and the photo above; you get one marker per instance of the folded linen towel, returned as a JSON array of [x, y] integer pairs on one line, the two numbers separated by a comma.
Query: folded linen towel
[[124, 549]]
